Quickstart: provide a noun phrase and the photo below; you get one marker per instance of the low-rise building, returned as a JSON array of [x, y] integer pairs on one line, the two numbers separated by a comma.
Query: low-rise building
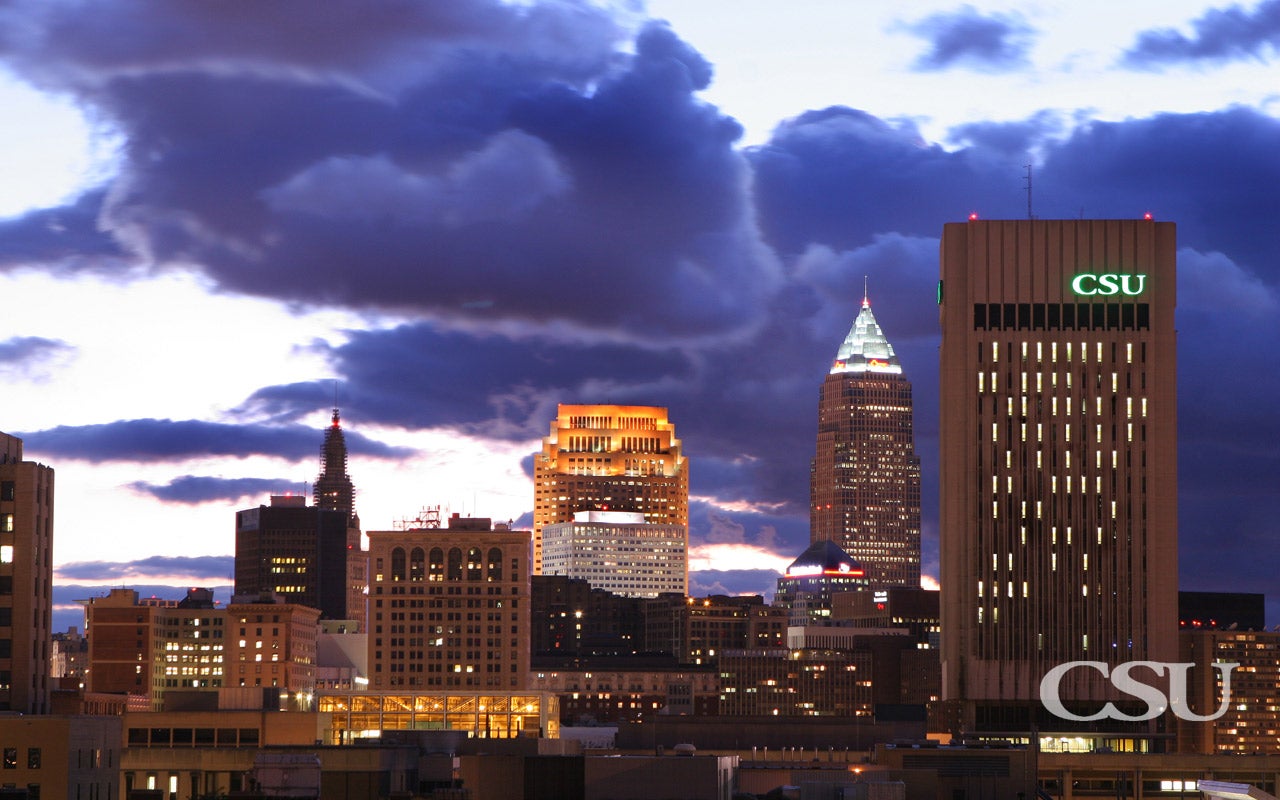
[[61, 756], [449, 607], [271, 643]]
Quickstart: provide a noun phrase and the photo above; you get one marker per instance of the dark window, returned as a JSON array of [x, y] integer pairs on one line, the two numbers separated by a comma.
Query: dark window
[[33, 758], [6, 648], [11, 758], [6, 617], [7, 490], [6, 585]]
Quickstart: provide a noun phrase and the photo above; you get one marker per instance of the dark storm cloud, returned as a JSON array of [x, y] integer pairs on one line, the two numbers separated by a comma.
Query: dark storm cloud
[[569, 223], [196, 568], [488, 384], [26, 351], [968, 38], [1010, 139], [66, 239], [840, 176], [1228, 34], [493, 162], [158, 440], [1214, 173], [193, 489]]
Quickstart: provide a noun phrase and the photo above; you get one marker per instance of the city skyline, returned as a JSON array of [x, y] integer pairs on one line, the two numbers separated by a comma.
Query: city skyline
[[460, 223]]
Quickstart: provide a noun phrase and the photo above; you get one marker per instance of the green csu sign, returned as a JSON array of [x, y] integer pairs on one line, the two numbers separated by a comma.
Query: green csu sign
[[1108, 283]]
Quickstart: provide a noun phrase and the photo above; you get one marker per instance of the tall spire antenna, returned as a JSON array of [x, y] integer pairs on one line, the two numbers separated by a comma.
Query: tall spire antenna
[[1028, 177], [866, 303]]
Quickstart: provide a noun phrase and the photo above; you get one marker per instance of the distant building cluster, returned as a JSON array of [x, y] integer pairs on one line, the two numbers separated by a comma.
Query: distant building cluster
[[463, 658]]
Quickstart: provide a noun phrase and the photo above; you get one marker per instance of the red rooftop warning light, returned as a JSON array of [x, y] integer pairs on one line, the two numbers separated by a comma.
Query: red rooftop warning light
[[973, 216], [1147, 215]]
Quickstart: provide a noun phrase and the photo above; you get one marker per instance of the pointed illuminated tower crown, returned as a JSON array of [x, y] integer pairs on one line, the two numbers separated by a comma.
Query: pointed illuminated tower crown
[[866, 349], [333, 490], [865, 476]]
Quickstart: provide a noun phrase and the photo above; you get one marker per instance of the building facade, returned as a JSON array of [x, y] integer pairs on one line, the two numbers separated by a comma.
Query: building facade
[[864, 482], [570, 618], [609, 458], [149, 646], [296, 551], [26, 577], [811, 582], [56, 756], [619, 552], [1058, 520], [697, 630], [449, 608], [272, 643], [1250, 721]]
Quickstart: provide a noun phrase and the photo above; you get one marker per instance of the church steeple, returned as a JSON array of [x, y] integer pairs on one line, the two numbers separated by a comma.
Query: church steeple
[[333, 489]]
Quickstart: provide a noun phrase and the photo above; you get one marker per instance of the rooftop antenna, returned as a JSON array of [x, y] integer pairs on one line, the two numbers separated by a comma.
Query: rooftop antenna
[[1028, 177], [865, 302]]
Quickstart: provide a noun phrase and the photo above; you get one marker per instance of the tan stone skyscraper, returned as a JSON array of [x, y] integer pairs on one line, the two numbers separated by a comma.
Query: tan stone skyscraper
[[26, 575], [1058, 461], [864, 480], [609, 458]]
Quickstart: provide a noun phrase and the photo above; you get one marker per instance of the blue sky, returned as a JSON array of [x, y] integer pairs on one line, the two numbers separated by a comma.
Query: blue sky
[[213, 217]]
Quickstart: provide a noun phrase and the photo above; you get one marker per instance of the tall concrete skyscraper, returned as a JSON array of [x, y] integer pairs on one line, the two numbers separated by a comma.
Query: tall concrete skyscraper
[[609, 458], [1058, 463], [26, 575], [864, 480]]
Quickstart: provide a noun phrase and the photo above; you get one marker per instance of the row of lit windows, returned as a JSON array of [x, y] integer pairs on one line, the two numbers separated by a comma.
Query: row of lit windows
[[1068, 349], [993, 379], [1084, 429]]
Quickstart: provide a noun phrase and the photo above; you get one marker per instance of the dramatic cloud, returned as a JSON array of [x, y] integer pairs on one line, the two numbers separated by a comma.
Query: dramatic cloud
[[157, 440], [556, 216], [968, 38], [482, 383], [1228, 34], [32, 356], [63, 240], [195, 569], [194, 489], [497, 162]]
